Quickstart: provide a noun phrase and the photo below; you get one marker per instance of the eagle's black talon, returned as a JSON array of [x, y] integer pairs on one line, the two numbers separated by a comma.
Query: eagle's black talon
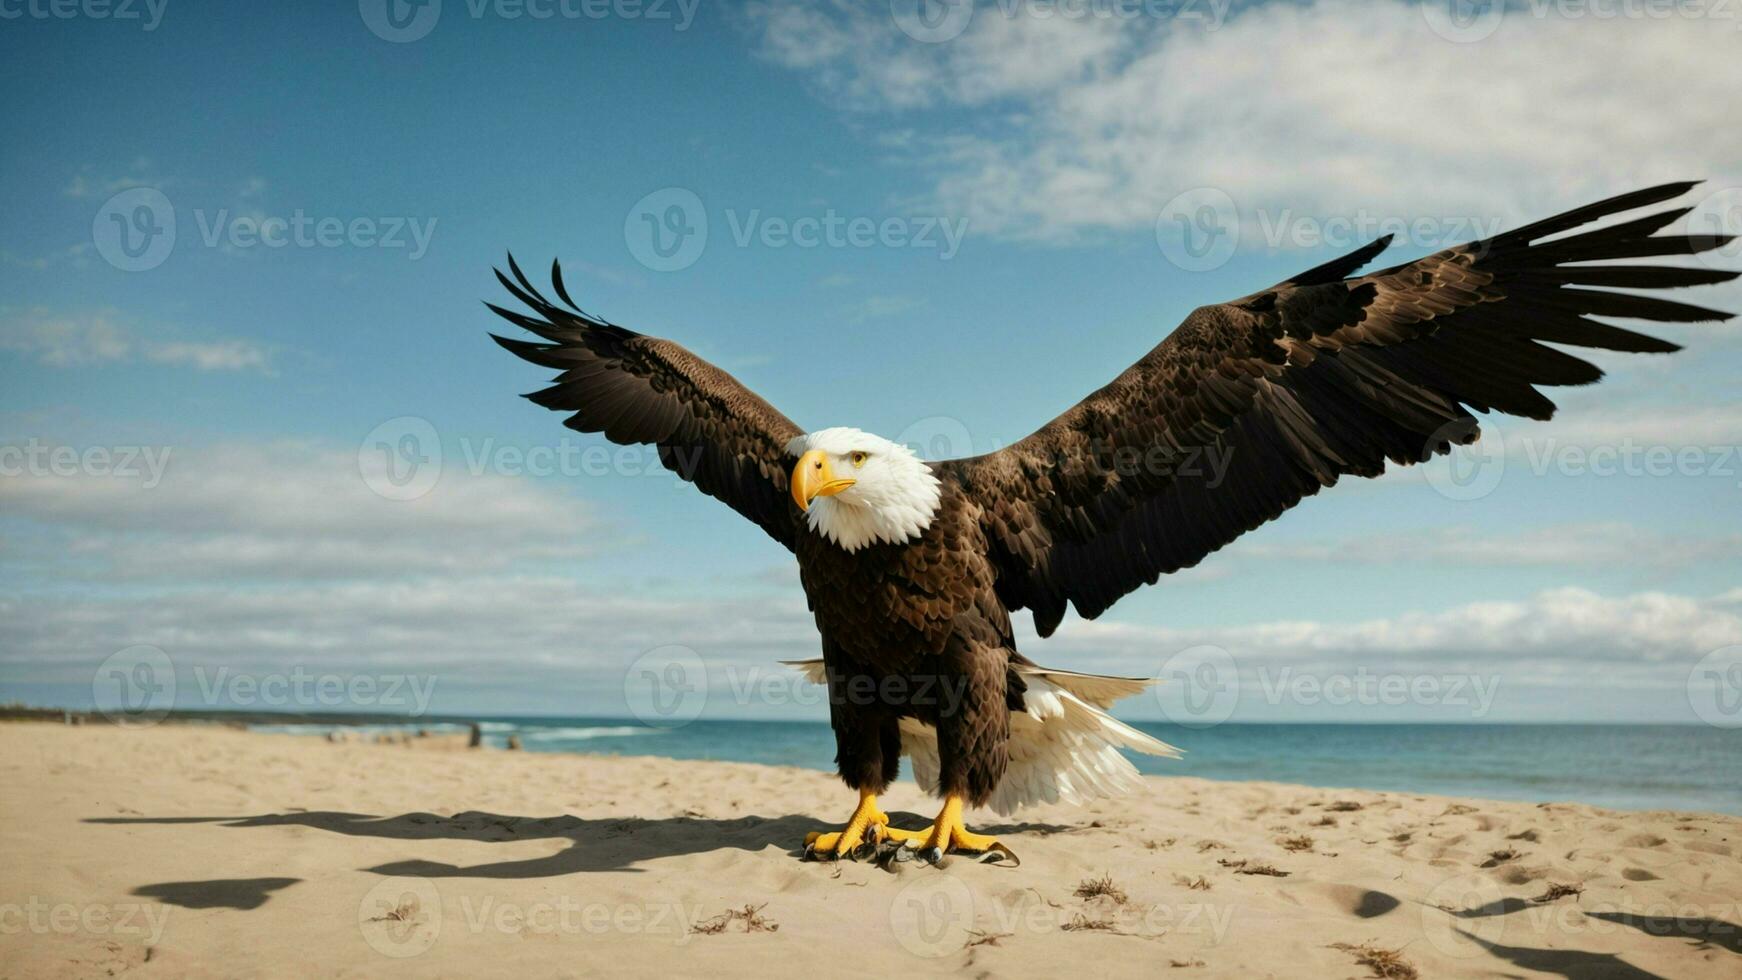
[[932, 855], [997, 855], [889, 854], [811, 853]]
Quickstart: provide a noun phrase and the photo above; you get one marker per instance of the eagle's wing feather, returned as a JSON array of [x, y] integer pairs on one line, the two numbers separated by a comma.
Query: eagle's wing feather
[[709, 428], [1317, 377]]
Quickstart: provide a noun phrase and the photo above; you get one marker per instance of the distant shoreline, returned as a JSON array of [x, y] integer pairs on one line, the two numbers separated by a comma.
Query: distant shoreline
[[1622, 766], [237, 716]]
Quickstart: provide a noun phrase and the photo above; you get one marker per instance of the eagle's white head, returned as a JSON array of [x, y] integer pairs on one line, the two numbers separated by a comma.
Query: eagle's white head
[[858, 489]]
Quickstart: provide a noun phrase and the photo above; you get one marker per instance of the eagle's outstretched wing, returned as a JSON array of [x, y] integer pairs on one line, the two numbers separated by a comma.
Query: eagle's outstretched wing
[[709, 428], [1299, 384]]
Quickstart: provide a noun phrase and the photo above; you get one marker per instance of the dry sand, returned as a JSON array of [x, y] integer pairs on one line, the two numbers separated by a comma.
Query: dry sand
[[201, 851]]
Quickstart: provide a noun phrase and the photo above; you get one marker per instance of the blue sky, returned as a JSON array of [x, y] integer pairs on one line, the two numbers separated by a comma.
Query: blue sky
[[1060, 148]]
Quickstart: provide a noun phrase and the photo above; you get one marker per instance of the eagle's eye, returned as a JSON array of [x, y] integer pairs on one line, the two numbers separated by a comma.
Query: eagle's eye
[[859, 458]]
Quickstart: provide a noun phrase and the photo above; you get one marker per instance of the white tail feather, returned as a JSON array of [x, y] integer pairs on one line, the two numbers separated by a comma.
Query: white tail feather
[[1064, 748]]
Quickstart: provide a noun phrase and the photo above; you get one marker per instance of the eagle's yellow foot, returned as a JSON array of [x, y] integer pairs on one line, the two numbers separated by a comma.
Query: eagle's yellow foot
[[947, 834], [867, 827]]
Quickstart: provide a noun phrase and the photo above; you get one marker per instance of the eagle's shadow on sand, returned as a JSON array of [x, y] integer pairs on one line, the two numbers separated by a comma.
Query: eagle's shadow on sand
[[241, 894], [611, 844]]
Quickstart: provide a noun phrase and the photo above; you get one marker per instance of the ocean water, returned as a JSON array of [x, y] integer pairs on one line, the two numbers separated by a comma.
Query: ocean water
[[1623, 766]]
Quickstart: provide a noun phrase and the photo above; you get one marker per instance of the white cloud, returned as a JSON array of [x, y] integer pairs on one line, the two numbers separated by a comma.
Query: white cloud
[[77, 255], [1648, 638], [284, 512], [66, 341], [1702, 425], [1609, 544], [879, 306], [856, 54], [226, 355], [87, 183], [275, 557], [562, 646], [1328, 108], [1597, 441], [492, 625], [266, 558], [84, 339]]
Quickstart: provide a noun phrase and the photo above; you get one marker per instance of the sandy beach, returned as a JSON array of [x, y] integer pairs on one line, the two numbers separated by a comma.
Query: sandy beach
[[188, 850]]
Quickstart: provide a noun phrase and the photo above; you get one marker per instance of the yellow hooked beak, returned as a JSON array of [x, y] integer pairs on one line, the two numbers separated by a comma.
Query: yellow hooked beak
[[813, 478]]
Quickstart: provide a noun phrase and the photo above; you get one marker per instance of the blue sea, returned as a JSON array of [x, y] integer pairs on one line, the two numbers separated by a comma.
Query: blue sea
[[1622, 766]]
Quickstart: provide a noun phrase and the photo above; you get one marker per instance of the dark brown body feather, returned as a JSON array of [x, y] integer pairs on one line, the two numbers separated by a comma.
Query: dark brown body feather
[[916, 630], [1291, 388]]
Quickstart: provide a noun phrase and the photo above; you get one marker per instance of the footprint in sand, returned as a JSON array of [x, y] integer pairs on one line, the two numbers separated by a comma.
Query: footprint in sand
[[1363, 903], [1644, 840], [1516, 874]]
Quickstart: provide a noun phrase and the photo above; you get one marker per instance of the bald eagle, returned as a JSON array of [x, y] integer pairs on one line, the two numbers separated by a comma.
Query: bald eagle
[[913, 568]]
